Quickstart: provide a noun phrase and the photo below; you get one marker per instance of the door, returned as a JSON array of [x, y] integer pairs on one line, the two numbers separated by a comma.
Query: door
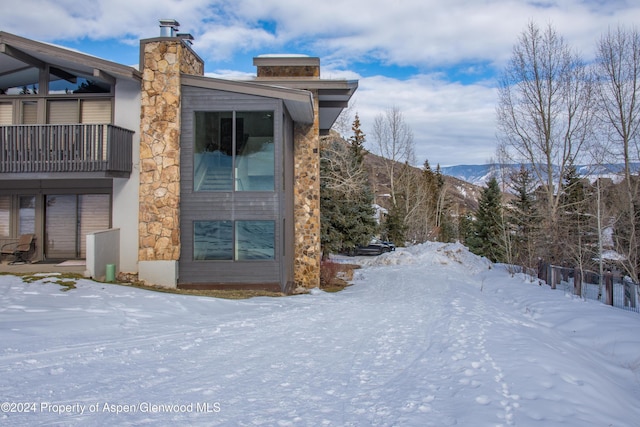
[[68, 220]]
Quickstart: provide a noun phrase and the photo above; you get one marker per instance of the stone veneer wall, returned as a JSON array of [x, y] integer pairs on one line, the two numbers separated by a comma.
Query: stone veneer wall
[[307, 202], [163, 60], [307, 250], [289, 71]]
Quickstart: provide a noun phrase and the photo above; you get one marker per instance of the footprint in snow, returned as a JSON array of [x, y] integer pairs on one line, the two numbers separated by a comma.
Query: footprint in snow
[[483, 400]]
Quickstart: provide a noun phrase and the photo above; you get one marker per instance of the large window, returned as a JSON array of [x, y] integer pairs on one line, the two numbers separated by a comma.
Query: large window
[[234, 240], [60, 82], [234, 151], [26, 214], [255, 240]]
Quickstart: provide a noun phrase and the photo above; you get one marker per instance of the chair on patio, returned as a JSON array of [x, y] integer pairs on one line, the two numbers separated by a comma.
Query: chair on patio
[[19, 249]]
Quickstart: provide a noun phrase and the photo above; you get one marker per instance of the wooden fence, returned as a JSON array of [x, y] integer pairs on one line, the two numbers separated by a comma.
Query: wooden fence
[[612, 289]]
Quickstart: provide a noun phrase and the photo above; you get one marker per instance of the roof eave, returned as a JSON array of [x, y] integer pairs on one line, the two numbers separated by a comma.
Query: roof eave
[[298, 102], [103, 65]]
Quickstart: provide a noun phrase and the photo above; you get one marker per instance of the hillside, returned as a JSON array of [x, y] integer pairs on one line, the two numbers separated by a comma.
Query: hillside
[[462, 193]]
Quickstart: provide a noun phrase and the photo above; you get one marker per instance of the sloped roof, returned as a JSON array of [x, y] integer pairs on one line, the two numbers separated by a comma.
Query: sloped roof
[[333, 95], [298, 102], [20, 59]]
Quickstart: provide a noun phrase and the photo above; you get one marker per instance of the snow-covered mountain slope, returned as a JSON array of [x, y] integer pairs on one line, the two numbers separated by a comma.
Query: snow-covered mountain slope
[[480, 174]]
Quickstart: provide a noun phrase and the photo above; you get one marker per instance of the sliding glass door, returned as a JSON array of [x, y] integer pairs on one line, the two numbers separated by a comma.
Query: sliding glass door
[[68, 220]]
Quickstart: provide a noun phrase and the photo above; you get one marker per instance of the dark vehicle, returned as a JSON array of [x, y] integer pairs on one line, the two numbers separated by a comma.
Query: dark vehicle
[[375, 247], [392, 247]]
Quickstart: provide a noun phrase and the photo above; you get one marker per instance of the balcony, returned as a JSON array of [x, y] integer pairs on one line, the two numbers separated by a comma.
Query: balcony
[[70, 151]]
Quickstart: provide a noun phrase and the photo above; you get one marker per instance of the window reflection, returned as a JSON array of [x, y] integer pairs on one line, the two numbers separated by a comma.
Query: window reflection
[[60, 81], [234, 151], [255, 240], [27, 219], [213, 152], [255, 157], [213, 240]]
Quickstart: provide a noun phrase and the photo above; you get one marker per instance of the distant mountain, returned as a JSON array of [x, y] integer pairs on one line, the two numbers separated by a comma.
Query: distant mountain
[[474, 174], [480, 174]]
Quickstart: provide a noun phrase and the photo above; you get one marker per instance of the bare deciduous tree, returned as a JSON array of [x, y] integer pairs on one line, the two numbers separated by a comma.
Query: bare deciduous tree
[[340, 172], [393, 140], [618, 71], [545, 111]]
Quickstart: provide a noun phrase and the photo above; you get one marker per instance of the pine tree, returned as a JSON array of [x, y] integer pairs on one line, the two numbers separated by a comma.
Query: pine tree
[[466, 228], [488, 227], [395, 227], [524, 219], [357, 140], [575, 222], [346, 200], [443, 221]]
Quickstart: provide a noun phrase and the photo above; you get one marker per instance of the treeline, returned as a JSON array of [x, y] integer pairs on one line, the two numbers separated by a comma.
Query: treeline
[[554, 111], [391, 200]]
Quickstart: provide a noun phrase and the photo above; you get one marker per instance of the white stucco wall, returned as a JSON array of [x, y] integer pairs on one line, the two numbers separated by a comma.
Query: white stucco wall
[[102, 249], [159, 273], [125, 191]]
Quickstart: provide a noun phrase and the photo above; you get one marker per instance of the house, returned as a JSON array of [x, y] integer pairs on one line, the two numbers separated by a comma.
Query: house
[[206, 182], [69, 126]]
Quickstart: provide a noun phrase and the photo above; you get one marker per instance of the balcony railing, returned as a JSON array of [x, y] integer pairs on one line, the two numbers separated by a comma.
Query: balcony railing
[[100, 148]]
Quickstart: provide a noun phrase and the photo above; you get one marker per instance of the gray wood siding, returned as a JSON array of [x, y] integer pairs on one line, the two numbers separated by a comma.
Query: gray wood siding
[[287, 205], [237, 205]]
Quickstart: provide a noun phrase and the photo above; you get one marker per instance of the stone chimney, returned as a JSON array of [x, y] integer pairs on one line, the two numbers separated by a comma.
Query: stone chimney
[[283, 66], [294, 71], [162, 60]]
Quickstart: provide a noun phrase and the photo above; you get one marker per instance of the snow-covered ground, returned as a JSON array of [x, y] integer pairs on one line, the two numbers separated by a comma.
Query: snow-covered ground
[[426, 336]]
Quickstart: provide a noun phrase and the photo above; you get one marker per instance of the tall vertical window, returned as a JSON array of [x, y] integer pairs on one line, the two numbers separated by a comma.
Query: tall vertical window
[[29, 112], [5, 212], [234, 240], [27, 218], [6, 113], [234, 151]]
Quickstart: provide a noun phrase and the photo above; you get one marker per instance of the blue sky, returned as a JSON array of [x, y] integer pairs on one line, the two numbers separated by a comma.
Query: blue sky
[[436, 61]]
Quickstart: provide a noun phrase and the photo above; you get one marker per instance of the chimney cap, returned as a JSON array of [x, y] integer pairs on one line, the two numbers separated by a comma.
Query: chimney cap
[[187, 37], [168, 27], [169, 23]]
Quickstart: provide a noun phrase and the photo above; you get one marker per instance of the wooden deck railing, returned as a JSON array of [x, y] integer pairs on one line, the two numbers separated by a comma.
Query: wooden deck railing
[[65, 148]]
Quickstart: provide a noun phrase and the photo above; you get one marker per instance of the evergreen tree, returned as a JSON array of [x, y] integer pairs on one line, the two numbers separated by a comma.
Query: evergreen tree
[[466, 228], [443, 221], [346, 200], [488, 235], [432, 184], [574, 221], [395, 227], [357, 140], [524, 219]]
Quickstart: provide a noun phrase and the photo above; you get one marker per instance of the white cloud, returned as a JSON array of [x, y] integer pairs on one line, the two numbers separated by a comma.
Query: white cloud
[[453, 122]]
